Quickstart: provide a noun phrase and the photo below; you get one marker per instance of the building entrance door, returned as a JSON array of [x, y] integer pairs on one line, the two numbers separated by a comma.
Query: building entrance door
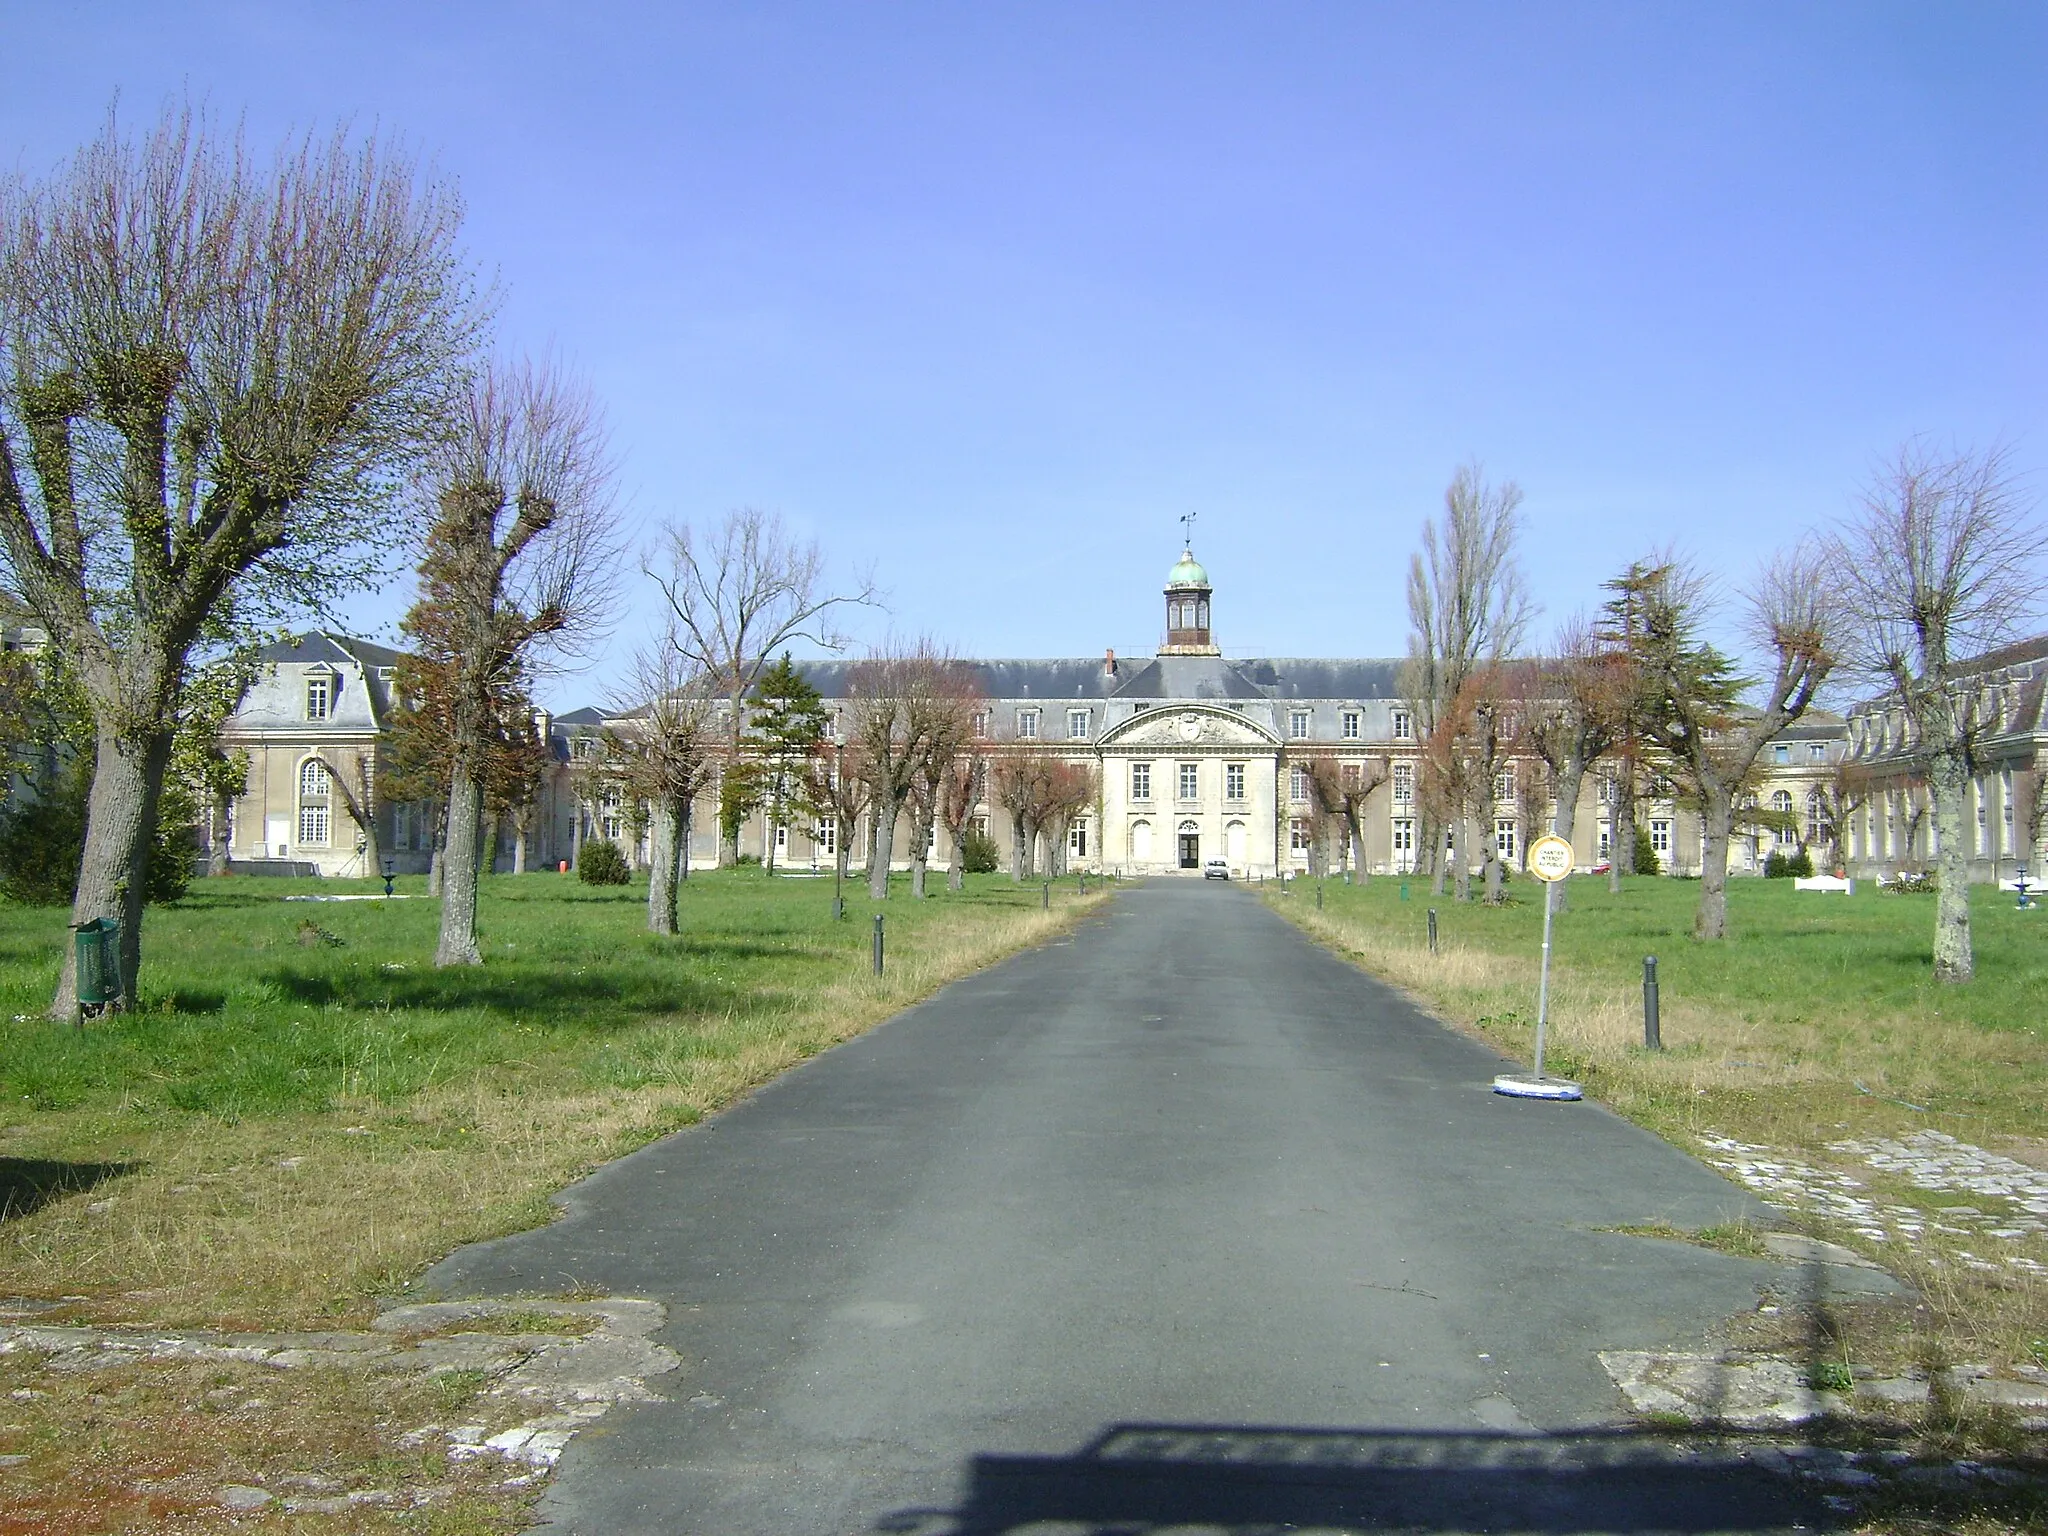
[[1190, 850]]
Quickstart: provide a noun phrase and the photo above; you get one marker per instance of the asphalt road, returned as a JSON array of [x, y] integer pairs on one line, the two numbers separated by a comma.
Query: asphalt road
[[1176, 1223]]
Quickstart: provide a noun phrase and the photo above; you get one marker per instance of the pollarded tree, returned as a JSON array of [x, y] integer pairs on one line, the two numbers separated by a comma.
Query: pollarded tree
[[1706, 717], [661, 753], [944, 713], [1338, 791], [893, 713], [836, 782], [1070, 789], [518, 563], [1575, 709], [1943, 561], [1022, 782], [739, 594], [212, 373], [963, 785]]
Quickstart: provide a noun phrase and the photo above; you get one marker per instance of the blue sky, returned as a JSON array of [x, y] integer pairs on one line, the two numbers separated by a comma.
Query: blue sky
[[988, 296]]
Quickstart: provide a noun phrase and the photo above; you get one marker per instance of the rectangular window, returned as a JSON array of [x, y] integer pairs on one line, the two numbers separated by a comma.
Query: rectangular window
[[1027, 725], [1404, 842], [1404, 725], [1077, 838], [1660, 836], [1233, 781], [980, 826], [1606, 841], [1298, 834], [826, 835], [981, 724], [1190, 781], [1504, 784], [582, 747], [1350, 725], [1504, 840], [1077, 725], [1817, 751], [1297, 724], [782, 839], [313, 826], [1141, 781], [1297, 784], [401, 826], [1404, 783], [319, 695], [1781, 752]]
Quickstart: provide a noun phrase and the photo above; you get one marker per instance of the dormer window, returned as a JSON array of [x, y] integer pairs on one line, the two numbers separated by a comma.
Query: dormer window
[[319, 696], [1404, 725], [1297, 724], [1349, 725], [1027, 725]]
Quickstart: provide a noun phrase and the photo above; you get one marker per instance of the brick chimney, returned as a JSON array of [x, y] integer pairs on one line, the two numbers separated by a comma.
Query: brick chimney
[[1109, 663]]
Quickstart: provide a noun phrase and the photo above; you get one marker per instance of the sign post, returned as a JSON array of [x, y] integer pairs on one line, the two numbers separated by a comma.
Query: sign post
[[1550, 860]]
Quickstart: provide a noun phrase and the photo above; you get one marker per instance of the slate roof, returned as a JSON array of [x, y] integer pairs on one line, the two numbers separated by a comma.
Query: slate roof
[[318, 645], [1158, 677]]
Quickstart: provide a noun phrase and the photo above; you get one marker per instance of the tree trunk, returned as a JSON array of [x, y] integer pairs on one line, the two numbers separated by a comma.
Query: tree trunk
[[920, 852], [884, 849], [1571, 778], [1031, 829], [661, 879], [686, 826], [842, 846], [774, 822], [956, 871], [223, 819], [1461, 858], [459, 871], [519, 841], [1490, 861], [1353, 815], [1717, 826], [1020, 848], [113, 874], [1948, 782], [1621, 821]]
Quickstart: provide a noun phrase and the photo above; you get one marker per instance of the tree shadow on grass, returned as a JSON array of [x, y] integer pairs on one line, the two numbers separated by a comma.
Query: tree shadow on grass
[[599, 999], [27, 1184]]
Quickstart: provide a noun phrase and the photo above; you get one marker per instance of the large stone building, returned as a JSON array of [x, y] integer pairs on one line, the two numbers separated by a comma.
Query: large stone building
[[1196, 756]]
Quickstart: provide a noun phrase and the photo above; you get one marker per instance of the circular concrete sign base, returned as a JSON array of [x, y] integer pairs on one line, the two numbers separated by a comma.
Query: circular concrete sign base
[[1522, 1085]]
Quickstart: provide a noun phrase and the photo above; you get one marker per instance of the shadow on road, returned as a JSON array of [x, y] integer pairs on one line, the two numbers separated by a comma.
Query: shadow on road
[[1135, 1479]]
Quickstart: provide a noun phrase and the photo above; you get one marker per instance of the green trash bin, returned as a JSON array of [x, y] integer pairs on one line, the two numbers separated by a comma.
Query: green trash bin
[[99, 962]]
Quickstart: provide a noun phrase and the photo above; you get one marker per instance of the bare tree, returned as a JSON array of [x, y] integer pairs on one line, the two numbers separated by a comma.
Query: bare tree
[[895, 707], [1468, 607], [1022, 781], [963, 785], [944, 711], [1576, 708], [1943, 561], [836, 781], [216, 369], [740, 594], [661, 750], [518, 564], [1070, 788], [1700, 710]]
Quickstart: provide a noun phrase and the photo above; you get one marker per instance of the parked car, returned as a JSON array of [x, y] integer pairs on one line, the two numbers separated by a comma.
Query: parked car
[[1216, 869]]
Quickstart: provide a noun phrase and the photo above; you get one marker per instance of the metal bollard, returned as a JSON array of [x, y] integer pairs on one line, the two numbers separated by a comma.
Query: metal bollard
[[1653, 1039], [1083, 879], [1432, 930], [878, 943], [1047, 903], [1319, 895]]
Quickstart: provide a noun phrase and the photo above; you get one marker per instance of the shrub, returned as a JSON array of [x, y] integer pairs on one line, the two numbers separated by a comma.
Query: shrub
[[1647, 862], [42, 841], [1909, 882], [978, 853], [1776, 866], [603, 863], [1800, 865], [741, 860]]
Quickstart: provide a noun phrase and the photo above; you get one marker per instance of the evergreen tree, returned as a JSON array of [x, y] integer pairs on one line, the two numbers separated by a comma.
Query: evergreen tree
[[787, 723]]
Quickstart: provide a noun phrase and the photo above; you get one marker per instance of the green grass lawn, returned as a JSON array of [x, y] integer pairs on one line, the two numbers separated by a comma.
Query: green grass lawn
[[1816, 1025]]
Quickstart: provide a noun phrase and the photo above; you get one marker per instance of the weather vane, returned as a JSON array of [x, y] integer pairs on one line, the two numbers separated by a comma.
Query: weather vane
[[1187, 529]]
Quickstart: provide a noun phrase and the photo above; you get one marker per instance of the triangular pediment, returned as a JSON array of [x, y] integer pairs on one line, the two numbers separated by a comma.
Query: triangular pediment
[[1188, 725]]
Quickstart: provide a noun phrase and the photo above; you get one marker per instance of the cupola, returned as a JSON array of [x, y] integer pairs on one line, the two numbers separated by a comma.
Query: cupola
[[1187, 609]]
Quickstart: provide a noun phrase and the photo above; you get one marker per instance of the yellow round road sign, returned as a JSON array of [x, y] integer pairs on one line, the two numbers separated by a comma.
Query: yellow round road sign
[[1550, 858]]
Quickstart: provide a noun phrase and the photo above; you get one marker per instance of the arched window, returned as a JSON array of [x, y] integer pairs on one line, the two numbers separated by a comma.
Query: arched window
[[315, 787], [1781, 802]]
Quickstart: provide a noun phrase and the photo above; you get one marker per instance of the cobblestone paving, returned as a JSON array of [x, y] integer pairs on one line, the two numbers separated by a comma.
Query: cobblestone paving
[[2015, 1196]]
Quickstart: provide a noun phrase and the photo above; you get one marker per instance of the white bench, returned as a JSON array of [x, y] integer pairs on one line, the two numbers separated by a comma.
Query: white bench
[[1833, 883]]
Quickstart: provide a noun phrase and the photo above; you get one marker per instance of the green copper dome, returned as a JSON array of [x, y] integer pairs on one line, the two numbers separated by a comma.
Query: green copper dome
[[1188, 573]]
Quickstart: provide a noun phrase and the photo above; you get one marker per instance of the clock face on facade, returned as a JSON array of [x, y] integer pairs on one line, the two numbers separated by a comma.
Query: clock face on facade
[[1190, 727]]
